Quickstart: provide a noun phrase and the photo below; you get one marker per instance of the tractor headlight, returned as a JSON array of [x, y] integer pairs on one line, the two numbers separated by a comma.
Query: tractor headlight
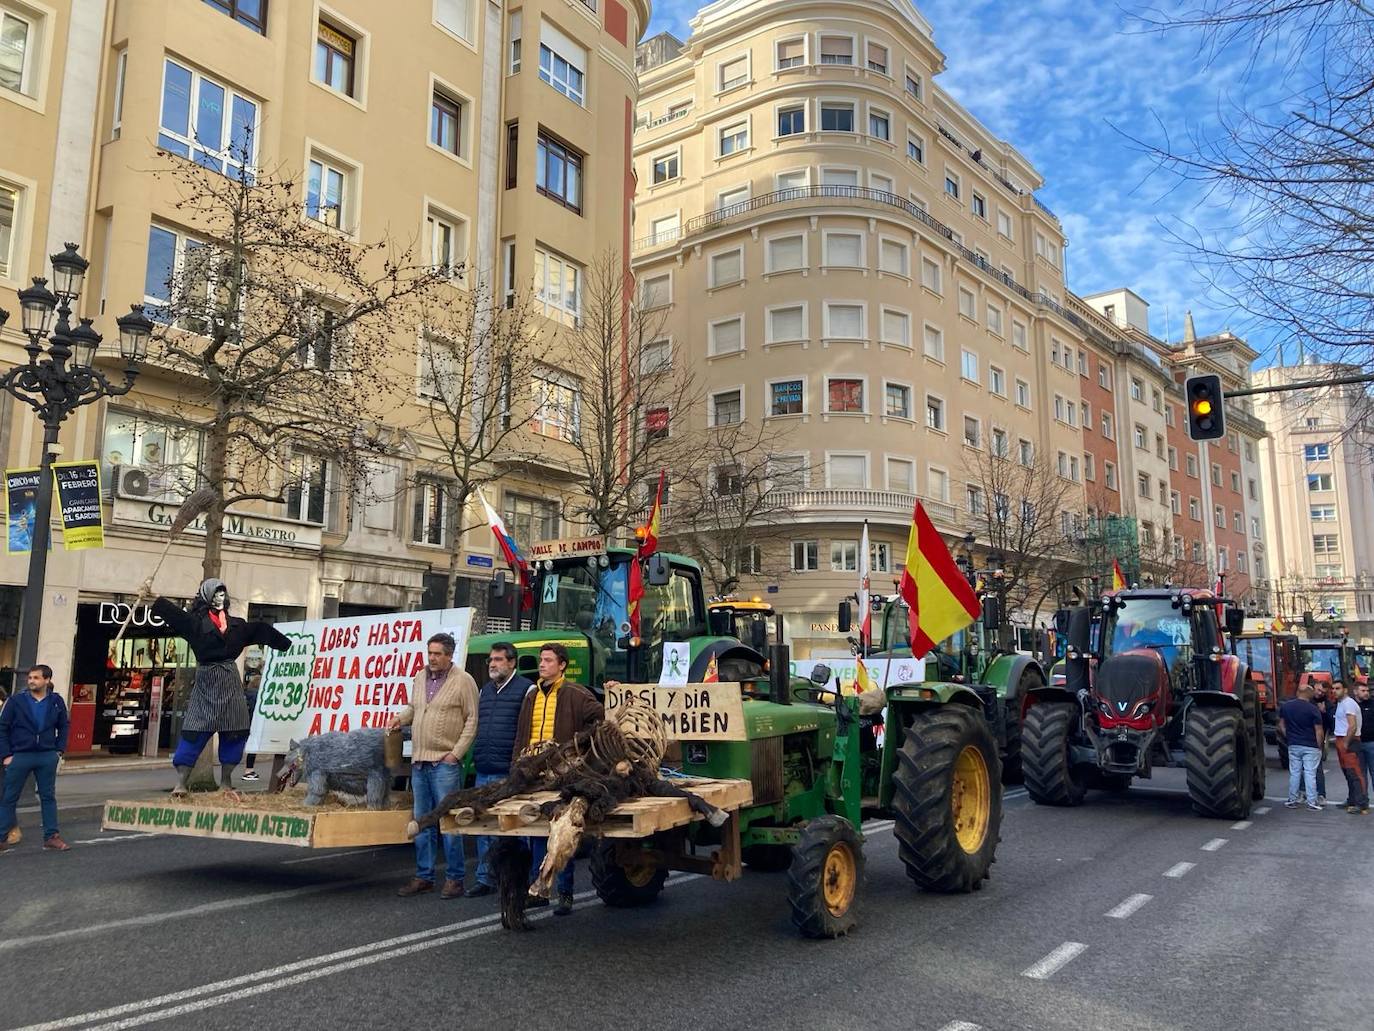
[[1104, 707], [1145, 708]]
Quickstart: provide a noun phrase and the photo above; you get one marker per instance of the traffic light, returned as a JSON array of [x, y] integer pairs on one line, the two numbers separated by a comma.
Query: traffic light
[[1206, 420]]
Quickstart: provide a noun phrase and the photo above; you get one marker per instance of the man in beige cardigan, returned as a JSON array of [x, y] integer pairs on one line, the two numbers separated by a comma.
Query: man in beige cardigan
[[443, 715]]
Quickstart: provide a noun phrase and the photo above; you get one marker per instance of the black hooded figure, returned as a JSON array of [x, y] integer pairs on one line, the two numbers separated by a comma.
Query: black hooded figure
[[217, 703]]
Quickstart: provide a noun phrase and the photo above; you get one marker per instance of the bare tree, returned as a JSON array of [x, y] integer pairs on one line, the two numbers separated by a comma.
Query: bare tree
[[279, 328], [1298, 178], [632, 389]]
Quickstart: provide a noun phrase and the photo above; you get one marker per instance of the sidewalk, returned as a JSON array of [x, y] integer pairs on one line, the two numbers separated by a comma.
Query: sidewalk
[[150, 778]]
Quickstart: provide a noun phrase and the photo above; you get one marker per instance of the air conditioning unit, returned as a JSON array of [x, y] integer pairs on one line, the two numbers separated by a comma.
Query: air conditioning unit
[[131, 481]]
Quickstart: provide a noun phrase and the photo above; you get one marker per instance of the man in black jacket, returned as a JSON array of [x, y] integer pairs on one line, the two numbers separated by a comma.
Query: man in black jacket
[[1366, 704], [33, 736], [498, 711]]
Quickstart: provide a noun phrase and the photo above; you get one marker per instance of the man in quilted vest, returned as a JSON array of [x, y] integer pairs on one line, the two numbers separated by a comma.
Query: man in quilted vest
[[498, 712]]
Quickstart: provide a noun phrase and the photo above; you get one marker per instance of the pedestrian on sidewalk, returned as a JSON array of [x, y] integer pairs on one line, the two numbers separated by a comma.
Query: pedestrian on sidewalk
[[250, 696], [556, 710], [443, 715], [33, 736], [498, 712], [1366, 703], [1300, 722], [1347, 750]]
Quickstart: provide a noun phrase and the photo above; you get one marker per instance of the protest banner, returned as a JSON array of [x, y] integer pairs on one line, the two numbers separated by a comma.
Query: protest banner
[[78, 493], [347, 673], [690, 712], [883, 672], [21, 509]]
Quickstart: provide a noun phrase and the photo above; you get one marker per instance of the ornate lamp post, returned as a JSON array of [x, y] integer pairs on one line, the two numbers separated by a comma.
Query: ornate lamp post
[[58, 379]]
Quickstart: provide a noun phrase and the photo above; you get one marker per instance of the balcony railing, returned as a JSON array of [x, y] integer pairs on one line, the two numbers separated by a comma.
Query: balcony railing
[[859, 503], [671, 116]]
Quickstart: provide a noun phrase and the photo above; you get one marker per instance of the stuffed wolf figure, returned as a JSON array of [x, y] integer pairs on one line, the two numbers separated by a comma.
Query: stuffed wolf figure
[[351, 763]]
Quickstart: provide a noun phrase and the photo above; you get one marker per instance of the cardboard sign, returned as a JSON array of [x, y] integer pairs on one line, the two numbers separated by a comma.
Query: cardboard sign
[[78, 493], [566, 547], [690, 712], [235, 824], [677, 662], [346, 674]]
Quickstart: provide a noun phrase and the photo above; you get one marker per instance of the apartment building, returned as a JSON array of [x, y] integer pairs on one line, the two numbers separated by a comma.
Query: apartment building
[[1318, 498], [468, 129], [853, 260]]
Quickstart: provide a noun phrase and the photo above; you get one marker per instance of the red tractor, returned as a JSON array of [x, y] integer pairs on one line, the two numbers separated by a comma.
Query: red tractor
[[1272, 659], [1158, 689]]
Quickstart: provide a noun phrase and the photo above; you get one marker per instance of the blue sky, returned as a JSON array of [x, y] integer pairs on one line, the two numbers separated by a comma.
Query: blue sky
[[1095, 76]]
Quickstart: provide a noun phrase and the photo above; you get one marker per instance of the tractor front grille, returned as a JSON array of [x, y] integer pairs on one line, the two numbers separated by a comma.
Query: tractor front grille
[[765, 769]]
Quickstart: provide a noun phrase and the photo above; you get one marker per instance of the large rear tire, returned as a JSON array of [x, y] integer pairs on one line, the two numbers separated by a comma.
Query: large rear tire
[[947, 799], [1046, 735], [825, 878], [1216, 755], [624, 887], [1011, 761]]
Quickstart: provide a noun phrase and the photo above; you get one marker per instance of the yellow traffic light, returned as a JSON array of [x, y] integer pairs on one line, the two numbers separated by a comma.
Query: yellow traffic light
[[1202, 407]]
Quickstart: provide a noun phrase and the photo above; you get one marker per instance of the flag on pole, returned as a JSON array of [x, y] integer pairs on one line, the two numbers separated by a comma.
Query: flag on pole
[[1118, 577], [941, 600], [712, 674], [863, 682], [510, 550], [648, 544], [865, 609]]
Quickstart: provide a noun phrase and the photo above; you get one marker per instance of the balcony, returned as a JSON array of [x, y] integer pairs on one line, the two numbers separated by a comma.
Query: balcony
[[858, 503]]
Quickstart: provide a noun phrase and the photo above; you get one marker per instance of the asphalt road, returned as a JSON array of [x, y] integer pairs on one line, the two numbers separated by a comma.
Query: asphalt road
[[1125, 913]]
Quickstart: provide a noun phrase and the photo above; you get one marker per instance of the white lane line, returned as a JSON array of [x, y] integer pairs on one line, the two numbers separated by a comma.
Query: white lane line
[[1015, 793], [334, 855], [1044, 969], [1179, 869], [297, 972], [1259, 810], [1214, 844], [961, 1025], [114, 837], [1240, 825], [8, 944], [1128, 907]]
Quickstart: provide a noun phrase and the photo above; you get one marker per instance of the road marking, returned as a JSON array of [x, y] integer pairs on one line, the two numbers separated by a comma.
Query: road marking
[[298, 972], [878, 826], [1128, 907], [115, 837], [1179, 869], [961, 1025], [1044, 969], [1240, 825], [1015, 793], [239, 902], [1214, 844], [1260, 810], [335, 855]]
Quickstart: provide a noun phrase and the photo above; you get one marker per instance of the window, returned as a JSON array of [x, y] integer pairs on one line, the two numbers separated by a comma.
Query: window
[[844, 395], [1323, 513], [785, 253], [726, 267], [734, 72], [844, 321], [1195, 509], [1168, 415], [837, 50], [1254, 526], [1159, 446], [843, 177], [934, 343], [446, 123], [1109, 475], [1249, 451], [973, 431], [1089, 466], [1104, 376], [916, 149], [656, 356], [326, 194], [530, 519], [997, 381], [729, 480], [558, 286], [913, 85], [557, 407], [1000, 446], [252, 13], [790, 53], [879, 125], [1318, 481], [1023, 395], [1004, 224], [844, 250], [787, 472], [1156, 399], [897, 401], [1137, 390], [666, 167], [727, 408], [1173, 458], [1252, 489], [935, 413], [308, 488], [656, 291], [11, 210], [968, 365], [429, 521], [169, 453], [849, 471], [1216, 475], [1025, 452], [896, 327], [558, 172], [901, 475], [447, 242], [1143, 484], [952, 185], [787, 323], [791, 121], [1190, 463], [205, 121], [786, 397], [837, 117], [1326, 544], [177, 279], [727, 335], [806, 556], [968, 304], [735, 197], [980, 205], [1235, 481], [930, 275], [796, 179], [1018, 336], [516, 20], [749, 559], [734, 138], [973, 500], [1238, 522], [937, 484], [1219, 516], [335, 53], [562, 63], [877, 57], [1316, 452], [1240, 561], [1140, 438]]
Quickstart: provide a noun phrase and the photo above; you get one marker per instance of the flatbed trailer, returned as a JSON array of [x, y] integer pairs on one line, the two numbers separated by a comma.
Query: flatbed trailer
[[251, 820]]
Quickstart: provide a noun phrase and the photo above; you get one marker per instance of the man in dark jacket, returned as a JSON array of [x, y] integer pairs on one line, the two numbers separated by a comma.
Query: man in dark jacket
[[1366, 703], [556, 710], [33, 736], [498, 712]]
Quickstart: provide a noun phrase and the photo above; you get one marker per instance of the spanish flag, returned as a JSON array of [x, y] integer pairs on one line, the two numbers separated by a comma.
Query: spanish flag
[[941, 600], [648, 544], [1118, 577], [712, 674], [862, 681]]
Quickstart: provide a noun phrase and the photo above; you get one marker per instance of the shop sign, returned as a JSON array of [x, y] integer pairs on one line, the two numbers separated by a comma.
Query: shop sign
[[567, 547], [238, 526], [114, 613], [346, 674], [78, 493]]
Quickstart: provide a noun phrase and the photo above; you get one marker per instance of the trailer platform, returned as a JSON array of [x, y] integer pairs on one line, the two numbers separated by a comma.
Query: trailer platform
[[252, 820]]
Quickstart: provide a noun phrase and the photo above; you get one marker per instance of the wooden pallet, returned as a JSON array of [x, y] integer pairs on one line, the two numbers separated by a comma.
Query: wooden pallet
[[638, 818]]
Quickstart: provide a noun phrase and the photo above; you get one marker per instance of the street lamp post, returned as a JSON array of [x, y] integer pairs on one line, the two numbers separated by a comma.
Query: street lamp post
[[56, 380]]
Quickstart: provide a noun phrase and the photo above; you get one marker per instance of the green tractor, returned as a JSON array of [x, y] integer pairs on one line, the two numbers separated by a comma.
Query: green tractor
[[818, 761]]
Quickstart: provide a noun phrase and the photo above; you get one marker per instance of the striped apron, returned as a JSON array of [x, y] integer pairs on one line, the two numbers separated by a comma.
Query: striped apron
[[217, 702]]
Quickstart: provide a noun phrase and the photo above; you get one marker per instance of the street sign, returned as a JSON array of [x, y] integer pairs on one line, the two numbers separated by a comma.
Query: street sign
[[480, 560]]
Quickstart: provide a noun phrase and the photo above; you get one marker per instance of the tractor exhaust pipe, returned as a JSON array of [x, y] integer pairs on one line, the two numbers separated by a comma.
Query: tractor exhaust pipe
[[780, 674]]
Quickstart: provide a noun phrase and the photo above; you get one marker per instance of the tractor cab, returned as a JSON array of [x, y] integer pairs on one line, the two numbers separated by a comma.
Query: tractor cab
[[1272, 659], [1326, 660], [746, 620]]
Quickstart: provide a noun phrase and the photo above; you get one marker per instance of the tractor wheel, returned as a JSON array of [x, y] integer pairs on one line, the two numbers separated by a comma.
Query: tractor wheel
[[824, 880], [1045, 738], [767, 858], [946, 799], [1254, 721], [1216, 755], [1011, 760], [624, 887]]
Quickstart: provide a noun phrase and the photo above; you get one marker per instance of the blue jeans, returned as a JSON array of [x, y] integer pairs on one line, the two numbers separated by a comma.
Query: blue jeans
[[430, 782], [1367, 763], [43, 766], [538, 848], [1303, 763], [486, 841]]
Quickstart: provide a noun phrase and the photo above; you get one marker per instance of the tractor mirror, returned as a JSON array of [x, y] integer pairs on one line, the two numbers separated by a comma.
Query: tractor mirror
[[992, 611], [1078, 629], [820, 674], [758, 635], [498, 584], [660, 571], [719, 622], [846, 621], [1235, 621]]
